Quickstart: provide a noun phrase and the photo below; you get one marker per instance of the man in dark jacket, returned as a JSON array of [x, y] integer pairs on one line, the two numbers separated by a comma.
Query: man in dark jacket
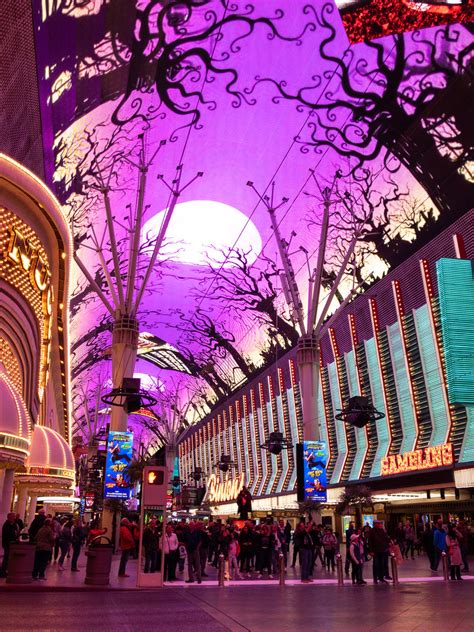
[[349, 532], [378, 548], [150, 544], [10, 533], [36, 525], [244, 503], [428, 545], [192, 541]]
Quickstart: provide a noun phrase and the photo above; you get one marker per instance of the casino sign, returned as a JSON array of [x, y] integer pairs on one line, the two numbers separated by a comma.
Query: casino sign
[[418, 460]]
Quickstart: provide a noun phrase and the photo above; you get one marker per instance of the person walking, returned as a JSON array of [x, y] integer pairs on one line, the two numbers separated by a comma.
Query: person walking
[[453, 546], [462, 528], [305, 547], [281, 535], [204, 548], [439, 541], [428, 544], [400, 537], [330, 546], [126, 544], [317, 537], [65, 541], [223, 548], [246, 542], [44, 548], [357, 557], [78, 539], [265, 546], [37, 523], [234, 550], [410, 536], [349, 532], [150, 545], [56, 527], [295, 545], [378, 547], [193, 543], [10, 535], [171, 551], [287, 539]]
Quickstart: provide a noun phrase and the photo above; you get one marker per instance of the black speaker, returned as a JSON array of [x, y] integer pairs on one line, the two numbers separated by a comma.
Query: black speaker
[[131, 390], [132, 404], [358, 413]]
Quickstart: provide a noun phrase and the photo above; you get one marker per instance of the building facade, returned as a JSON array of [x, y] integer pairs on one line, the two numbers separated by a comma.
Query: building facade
[[406, 344], [35, 255]]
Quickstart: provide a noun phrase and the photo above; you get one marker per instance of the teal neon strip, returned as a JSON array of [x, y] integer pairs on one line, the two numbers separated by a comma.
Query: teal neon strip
[[467, 449], [383, 433], [433, 376], [239, 451], [263, 460], [294, 433], [284, 455], [243, 429], [456, 302], [271, 427], [402, 385], [323, 428], [360, 434], [340, 433], [254, 451]]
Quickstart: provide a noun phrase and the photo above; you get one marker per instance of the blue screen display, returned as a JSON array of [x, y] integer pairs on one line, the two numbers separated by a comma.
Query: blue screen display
[[315, 458], [119, 456]]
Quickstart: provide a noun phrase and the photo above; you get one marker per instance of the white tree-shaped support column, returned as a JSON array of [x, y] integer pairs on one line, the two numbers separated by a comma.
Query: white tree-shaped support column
[[309, 325]]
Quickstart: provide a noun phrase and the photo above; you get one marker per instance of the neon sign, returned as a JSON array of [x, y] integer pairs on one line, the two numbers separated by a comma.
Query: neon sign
[[423, 459], [24, 254], [229, 489]]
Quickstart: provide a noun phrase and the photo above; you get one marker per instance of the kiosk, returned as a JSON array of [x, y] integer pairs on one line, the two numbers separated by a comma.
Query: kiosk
[[153, 506]]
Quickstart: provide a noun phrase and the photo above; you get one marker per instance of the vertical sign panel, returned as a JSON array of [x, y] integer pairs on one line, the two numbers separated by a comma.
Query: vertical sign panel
[[119, 455], [312, 479]]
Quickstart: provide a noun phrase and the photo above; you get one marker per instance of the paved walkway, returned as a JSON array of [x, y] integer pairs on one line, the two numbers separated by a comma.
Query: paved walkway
[[443, 607], [411, 571]]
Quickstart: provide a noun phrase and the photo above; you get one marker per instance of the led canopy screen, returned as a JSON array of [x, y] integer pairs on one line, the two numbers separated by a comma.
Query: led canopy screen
[[119, 455], [456, 300], [371, 19]]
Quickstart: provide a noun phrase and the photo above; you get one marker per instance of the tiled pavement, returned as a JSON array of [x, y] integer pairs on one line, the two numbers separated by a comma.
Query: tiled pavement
[[409, 572], [422, 601], [433, 607]]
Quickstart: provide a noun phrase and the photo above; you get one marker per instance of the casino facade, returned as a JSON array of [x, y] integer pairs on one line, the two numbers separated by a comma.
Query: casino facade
[[35, 254], [405, 344]]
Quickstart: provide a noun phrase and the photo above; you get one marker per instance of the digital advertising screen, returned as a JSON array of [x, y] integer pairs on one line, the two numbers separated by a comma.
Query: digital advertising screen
[[312, 459], [119, 456], [371, 19]]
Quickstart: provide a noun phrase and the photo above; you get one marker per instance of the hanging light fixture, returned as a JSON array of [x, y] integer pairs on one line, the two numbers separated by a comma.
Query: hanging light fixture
[[196, 475], [359, 411], [225, 463], [129, 396], [275, 443]]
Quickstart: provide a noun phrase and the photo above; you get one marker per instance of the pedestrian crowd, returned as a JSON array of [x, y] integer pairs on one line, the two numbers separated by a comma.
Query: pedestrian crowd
[[54, 538], [247, 549]]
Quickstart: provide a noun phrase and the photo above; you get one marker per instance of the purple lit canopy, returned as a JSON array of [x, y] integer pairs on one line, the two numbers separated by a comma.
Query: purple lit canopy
[[269, 92]]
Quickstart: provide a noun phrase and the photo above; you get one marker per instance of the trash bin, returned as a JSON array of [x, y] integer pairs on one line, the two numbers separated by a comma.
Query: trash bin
[[99, 562], [20, 563]]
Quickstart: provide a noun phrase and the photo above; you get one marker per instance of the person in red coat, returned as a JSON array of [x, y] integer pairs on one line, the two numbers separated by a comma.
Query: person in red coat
[[126, 544]]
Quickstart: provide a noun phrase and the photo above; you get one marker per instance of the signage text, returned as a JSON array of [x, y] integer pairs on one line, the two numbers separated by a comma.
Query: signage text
[[424, 459]]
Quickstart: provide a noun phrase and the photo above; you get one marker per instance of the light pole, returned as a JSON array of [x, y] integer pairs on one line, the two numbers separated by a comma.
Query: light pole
[[124, 291]]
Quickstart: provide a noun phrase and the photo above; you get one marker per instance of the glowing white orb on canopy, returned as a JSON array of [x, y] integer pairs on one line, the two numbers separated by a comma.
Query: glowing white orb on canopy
[[201, 231]]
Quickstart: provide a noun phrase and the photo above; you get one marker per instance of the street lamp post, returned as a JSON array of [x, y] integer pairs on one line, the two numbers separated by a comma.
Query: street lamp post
[[123, 295]]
